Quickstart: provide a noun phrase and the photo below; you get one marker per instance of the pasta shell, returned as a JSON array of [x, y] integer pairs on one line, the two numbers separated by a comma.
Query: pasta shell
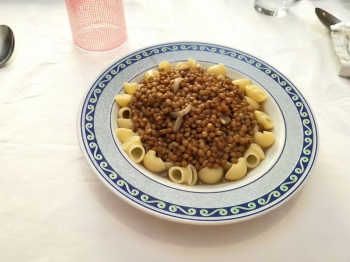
[[136, 153], [134, 140], [211, 175], [252, 103], [151, 73], [237, 171], [130, 88], [242, 83], [180, 65], [124, 112], [255, 93], [166, 66], [254, 155], [217, 70], [125, 123], [193, 179], [264, 119], [179, 175], [123, 99], [191, 63], [124, 134], [264, 139], [153, 163]]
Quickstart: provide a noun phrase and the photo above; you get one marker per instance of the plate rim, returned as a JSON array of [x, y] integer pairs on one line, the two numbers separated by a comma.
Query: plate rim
[[150, 209]]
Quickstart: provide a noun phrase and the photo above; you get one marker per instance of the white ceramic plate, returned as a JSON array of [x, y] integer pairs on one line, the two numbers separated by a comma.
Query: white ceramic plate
[[288, 162]]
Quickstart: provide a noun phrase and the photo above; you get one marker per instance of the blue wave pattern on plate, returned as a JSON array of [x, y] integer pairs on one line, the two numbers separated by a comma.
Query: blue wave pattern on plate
[[161, 206]]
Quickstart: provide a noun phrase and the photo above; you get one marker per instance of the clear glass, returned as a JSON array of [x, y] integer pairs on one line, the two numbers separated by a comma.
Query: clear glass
[[98, 26], [272, 7]]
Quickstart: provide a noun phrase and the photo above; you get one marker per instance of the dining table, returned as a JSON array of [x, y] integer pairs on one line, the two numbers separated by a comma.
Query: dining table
[[53, 207]]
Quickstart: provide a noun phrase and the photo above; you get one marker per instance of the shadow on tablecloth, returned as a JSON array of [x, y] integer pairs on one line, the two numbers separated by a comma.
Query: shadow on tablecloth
[[191, 235]]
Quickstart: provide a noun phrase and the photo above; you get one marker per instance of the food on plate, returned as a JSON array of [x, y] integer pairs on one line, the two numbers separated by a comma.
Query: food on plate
[[264, 139], [237, 171], [194, 124], [130, 88], [254, 155], [153, 163], [252, 103], [134, 148], [264, 119], [124, 133], [183, 175], [211, 175], [242, 83], [124, 113], [123, 100], [255, 93], [125, 123]]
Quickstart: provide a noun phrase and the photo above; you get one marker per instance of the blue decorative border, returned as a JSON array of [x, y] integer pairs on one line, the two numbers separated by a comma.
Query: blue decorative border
[[91, 145]]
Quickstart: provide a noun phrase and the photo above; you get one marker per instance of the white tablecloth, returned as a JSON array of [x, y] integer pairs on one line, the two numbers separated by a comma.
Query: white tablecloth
[[54, 208]]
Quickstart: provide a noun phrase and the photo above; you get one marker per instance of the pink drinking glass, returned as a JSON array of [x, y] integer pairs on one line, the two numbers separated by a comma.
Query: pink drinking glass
[[98, 26]]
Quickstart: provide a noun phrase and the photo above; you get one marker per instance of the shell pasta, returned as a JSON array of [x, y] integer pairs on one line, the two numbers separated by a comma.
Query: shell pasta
[[264, 139], [124, 112], [242, 83], [211, 175], [264, 120], [166, 66], [194, 125], [130, 88], [252, 103], [217, 70], [125, 123], [254, 155], [124, 134], [134, 148], [255, 93], [237, 171], [153, 163], [123, 100], [136, 153], [151, 73], [183, 175]]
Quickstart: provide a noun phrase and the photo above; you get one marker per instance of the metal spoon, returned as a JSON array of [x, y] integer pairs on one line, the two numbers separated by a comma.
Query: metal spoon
[[7, 44], [326, 18]]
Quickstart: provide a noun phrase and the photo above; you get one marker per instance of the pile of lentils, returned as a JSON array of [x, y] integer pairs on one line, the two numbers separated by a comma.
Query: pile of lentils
[[203, 139]]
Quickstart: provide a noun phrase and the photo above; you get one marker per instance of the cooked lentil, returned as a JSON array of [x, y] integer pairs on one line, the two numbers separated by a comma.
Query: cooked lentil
[[218, 128]]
